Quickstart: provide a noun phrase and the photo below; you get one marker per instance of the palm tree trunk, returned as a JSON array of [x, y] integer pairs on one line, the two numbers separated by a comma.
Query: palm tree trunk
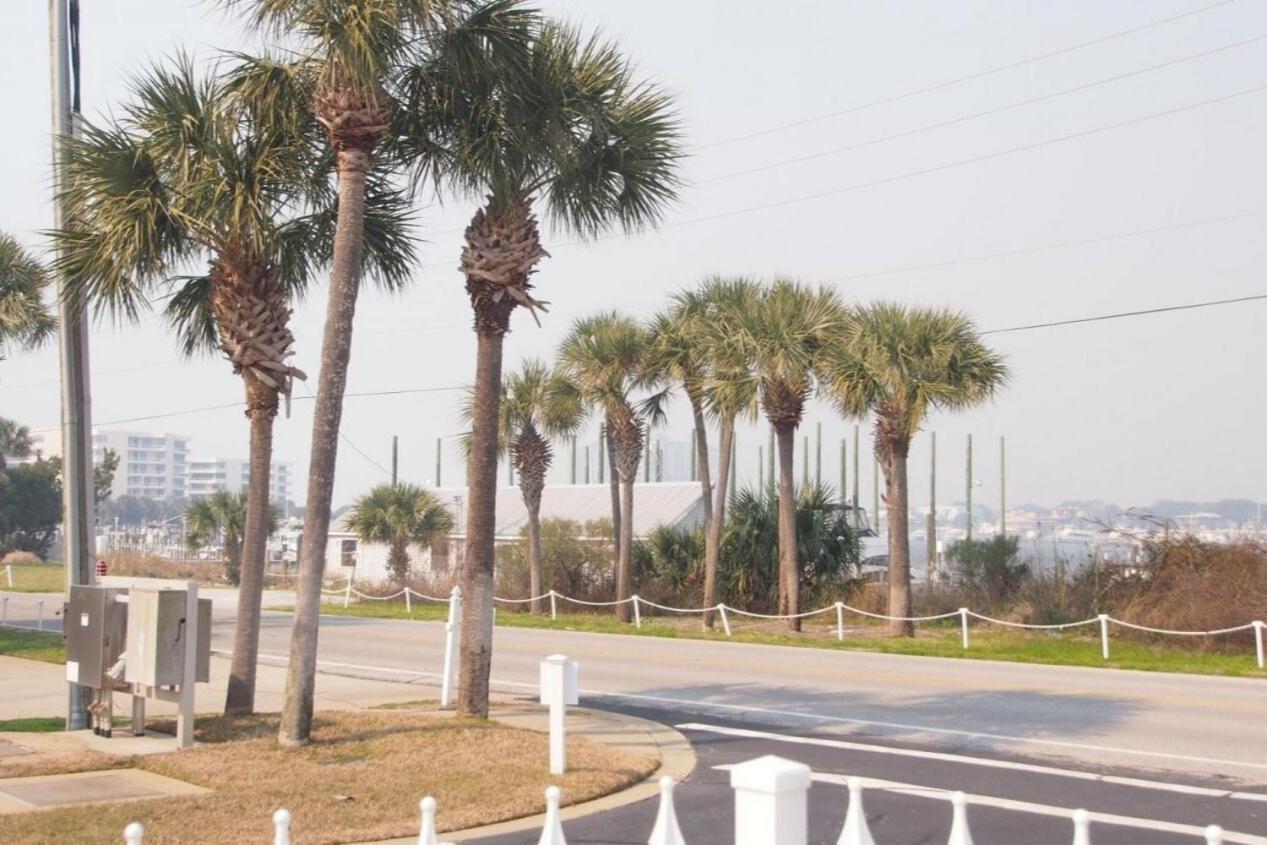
[[896, 494], [536, 560], [477, 566], [712, 542], [789, 569], [615, 493], [336, 349], [701, 455], [624, 572], [262, 408]]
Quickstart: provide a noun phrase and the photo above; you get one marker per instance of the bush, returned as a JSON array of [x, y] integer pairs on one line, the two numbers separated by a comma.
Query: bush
[[20, 558], [987, 571], [577, 559]]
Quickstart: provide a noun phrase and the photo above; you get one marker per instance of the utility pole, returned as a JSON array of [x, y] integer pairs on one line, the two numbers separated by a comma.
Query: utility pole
[[438, 447], [72, 338], [574, 459], [857, 501], [602, 450], [818, 454], [395, 455], [760, 466], [694, 440], [805, 461], [659, 460], [844, 467], [646, 457], [968, 535], [1002, 487], [510, 469], [932, 504], [587, 463]]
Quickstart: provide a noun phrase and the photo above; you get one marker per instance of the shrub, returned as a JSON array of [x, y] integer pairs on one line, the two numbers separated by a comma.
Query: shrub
[[987, 571]]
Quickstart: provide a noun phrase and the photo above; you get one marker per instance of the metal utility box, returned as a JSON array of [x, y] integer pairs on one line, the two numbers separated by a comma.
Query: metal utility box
[[96, 633], [157, 636]]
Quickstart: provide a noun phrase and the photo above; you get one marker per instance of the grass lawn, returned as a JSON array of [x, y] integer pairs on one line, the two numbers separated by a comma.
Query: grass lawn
[[931, 641], [360, 779], [34, 578], [35, 724], [33, 645]]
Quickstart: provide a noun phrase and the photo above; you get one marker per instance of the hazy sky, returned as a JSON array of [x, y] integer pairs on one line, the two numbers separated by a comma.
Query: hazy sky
[[1166, 406]]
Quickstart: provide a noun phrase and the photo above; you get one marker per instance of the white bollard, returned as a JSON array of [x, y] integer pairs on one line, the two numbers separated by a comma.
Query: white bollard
[[840, 621], [637, 612], [963, 623], [560, 684], [427, 833], [1214, 835], [1258, 643], [39, 618], [133, 833], [554, 608], [1081, 827], [666, 830], [452, 638], [725, 620], [856, 831], [1104, 635], [347, 593], [409, 608], [281, 827], [4, 610], [8, 570], [771, 802], [959, 833], [552, 831]]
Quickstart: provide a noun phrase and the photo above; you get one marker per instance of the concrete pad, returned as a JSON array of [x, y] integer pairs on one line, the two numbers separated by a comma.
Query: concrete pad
[[19, 795]]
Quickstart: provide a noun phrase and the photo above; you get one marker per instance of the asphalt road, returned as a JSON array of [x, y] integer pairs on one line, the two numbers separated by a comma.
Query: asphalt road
[[1025, 741]]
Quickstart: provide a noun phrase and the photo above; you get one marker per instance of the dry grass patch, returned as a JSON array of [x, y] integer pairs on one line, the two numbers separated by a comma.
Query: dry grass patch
[[360, 779]]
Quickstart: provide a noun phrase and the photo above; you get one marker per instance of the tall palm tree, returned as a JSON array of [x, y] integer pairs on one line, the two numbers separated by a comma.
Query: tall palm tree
[[399, 515], [25, 319], [781, 338], [571, 129], [729, 393], [360, 60], [538, 404], [605, 356], [193, 173], [899, 363], [222, 514]]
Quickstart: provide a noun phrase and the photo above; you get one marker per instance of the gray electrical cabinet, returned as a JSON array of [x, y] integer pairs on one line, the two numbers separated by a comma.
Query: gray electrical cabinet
[[157, 631], [96, 633]]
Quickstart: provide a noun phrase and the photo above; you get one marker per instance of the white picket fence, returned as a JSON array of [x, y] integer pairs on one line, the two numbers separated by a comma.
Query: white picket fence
[[771, 808], [840, 609]]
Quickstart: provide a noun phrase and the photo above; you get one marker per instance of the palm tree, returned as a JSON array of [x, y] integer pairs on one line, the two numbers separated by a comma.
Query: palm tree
[[574, 130], [360, 62], [25, 320], [15, 441], [195, 173], [223, 515], [605, 356], [781, 338], [899, 363], [538, 404], [729, 393], [399, 515]]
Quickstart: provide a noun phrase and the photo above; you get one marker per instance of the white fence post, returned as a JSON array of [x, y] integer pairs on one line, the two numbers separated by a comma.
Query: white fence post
[[552, 831], [8, 571], [281, 827], [409, 608], [560, 686], [133, 833], [856, 831], [1104, 635], [554, 608], [666, 830], [771, 802], [637, 611], [39, 618], [725, 620], [452, 634], [963, 624], [347, 593], [1258, 643], [427, 833], [4, 610], [1081, 827], [959, 833], [840, 621]]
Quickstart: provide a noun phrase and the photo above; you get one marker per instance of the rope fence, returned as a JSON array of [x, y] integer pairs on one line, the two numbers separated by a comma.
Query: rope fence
[[840, 608]]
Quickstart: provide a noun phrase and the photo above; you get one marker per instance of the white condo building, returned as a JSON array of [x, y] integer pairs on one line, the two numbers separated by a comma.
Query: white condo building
[[151, 465], [210, 475]]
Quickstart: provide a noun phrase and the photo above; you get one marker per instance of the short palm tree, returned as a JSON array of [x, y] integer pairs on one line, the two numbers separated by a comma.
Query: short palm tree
[[572, 129], [25, 320], [192, 173], [899, 363], [360, 64], [399, 515], [605, 357], [780, 339], [222, 515], [538, 404], [15, 441]]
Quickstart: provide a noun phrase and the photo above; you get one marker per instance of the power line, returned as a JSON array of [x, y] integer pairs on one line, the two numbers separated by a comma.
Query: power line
[[986, 113], [1121, 314], [959, 80]]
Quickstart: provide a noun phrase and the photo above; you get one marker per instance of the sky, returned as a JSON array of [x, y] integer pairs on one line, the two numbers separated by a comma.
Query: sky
[[1132, 192]]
